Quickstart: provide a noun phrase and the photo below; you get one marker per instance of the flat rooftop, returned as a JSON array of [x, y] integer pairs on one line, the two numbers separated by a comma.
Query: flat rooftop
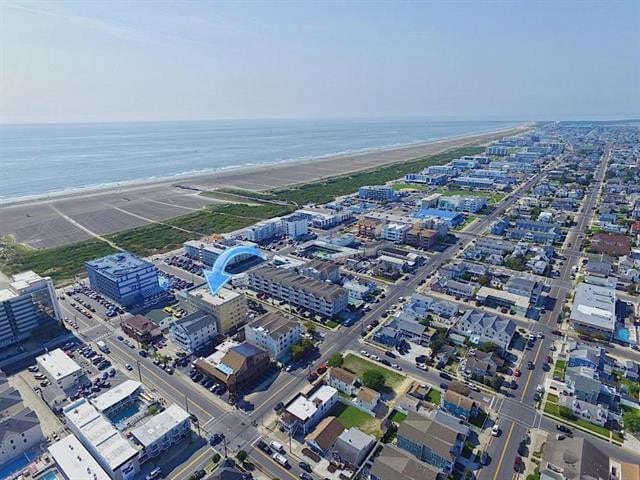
[[160, 424], [119, 264], [75, 461], [515, 299], [595, 305], [115, 395], [99, 432], [222, 296], [58, 364]]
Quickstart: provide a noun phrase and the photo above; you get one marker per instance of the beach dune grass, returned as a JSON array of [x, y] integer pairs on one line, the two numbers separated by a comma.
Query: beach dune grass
[[57, 262], [327, 190]]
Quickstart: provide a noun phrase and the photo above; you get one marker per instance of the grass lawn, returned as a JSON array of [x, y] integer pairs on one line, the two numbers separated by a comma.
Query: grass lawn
[[398, 417], [552, 398], [559, 369], [552, 408], [434, 396], [332, 324], [350, 416], [492, 197], [594, 428], [359, 365], [410, 186]]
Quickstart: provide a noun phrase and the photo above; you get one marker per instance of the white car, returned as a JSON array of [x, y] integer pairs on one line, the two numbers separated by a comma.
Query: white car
[[375, 357], [495, 431], [364, 352], [129, 367], [421, 366], [473, 386]]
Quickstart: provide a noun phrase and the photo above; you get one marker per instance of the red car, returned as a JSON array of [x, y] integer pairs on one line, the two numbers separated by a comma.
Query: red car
[[557, 332], [518, 464], [517, 373], [321, 369]]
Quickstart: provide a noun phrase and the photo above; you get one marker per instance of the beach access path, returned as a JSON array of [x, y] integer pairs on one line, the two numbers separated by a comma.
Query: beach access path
[[69, 218]]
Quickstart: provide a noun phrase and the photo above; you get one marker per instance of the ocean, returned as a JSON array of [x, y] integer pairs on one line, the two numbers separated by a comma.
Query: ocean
[[48, 159]]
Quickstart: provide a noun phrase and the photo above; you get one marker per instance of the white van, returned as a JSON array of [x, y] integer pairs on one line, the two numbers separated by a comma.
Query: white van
[[277, 446], [280, 459]]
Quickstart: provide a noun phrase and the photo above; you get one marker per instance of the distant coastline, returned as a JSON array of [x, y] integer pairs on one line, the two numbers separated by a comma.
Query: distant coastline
[[196, 173]]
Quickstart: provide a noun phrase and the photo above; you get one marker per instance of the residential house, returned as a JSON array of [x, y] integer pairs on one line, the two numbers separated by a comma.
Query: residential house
[[140, 328], [482, 327], [343, 380], [458, 405], [394, 463], [324, 435], [437, 441], [367, 399], [306, 411], [615, 245], [481, 364], [573, 458], [353, 446]]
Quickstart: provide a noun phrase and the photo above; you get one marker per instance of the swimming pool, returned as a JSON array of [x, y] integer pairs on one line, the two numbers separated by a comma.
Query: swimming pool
[[119, 419], [50, 475]]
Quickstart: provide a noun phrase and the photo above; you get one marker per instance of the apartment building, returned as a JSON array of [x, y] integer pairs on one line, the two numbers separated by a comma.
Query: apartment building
[[194, 331], [319, 297], [161, 432], [296, 226], [275, 333], [482, 327], [60, 369], [458, 203], [378, 193], [26, 302], [227, 306], [395, 232], [124, 278], [264, 231], [437, 440]]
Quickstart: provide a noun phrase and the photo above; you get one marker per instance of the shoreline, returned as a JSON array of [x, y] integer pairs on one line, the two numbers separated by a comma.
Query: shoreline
[[79, 216], [186, 177]]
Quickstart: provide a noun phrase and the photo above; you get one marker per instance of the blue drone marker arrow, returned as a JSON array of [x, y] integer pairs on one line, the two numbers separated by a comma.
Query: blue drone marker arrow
[[216, 277]]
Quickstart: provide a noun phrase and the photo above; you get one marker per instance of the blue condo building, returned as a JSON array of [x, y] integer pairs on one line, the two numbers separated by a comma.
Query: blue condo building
[[124, 277]]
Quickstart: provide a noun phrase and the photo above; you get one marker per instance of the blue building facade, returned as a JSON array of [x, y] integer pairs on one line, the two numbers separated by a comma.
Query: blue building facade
[[453, 219], [124, 277]]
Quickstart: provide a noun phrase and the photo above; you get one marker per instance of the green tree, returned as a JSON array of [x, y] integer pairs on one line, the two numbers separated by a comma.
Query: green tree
[[301, 348], [241, 456], [488, 347], [336, 360], [484, 280], [631, 289], [310, 326], [632, 420], [373, 379]]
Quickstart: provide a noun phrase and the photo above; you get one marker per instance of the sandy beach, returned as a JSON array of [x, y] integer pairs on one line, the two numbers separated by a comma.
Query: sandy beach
[[79, 216]]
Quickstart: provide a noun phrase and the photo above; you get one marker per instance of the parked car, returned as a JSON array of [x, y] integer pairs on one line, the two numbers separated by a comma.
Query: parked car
[[495, 431], [564, 429]]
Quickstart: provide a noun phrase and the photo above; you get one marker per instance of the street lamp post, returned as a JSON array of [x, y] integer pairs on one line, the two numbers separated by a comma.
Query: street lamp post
[[139, 371]]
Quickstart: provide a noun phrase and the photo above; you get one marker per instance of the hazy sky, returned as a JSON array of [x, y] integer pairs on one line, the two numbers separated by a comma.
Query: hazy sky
[[143, 60]]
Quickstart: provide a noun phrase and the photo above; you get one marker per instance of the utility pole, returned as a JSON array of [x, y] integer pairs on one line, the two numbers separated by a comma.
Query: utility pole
[[139, 372], [224, 444], [186, 403]]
